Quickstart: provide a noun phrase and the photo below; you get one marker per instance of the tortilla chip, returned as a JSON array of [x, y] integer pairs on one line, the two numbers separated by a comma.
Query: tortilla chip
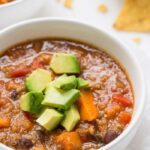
[[135, 16], [137, 40], [102, 8], [68, 3]]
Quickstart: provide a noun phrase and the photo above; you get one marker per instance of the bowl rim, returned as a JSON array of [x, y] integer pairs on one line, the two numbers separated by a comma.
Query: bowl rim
[[9, 4], [117, 41]]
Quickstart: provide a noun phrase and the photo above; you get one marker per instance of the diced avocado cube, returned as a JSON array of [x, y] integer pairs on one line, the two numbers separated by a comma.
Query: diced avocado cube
[[31, 102], [65, 82], [65, 63], [50, 119], [72, 117], [82, 83], [38, 80], [58, 98]]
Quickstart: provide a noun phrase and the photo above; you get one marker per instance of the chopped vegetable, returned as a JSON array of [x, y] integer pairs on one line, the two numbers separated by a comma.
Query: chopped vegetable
[[82, 83], [69, 141], [18, 72], [38, 80], [65, 82], [31, 102], [40, 61], [50, 119], [112, 111], [2, 102], [60, 98], [124, 117], [65, 63], [122, 100], [87, 108], [37, 63], [4, 122], [72, 117], [39, 148]]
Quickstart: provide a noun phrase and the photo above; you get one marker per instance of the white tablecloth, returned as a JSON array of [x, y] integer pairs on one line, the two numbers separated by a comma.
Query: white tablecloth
[[86, 10]]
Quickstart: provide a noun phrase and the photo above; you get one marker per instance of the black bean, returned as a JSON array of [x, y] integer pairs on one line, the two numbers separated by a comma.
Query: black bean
[[95, 138], [25, 143], [110, 136], [41, 135], [14, 95], [4, 60]]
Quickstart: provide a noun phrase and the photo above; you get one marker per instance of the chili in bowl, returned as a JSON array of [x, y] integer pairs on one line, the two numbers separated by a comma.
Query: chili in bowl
[[64, 87]]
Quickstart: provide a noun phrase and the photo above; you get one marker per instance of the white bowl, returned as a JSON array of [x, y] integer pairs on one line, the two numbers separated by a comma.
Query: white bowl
[[18, 10], [41, 28]]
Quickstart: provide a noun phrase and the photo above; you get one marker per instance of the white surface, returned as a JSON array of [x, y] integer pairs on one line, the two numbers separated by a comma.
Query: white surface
[[86, 10], [18, 11]]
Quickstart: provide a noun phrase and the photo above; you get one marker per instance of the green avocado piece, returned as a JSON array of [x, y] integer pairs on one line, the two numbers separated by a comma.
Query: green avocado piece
[[65, 82], [31, 102], [72, 117], [65, 63], [82, 83], [58, 98], [38, 80], [50, 119]]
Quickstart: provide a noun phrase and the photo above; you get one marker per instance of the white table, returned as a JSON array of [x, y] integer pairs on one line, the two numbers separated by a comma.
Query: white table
[[86, 10]]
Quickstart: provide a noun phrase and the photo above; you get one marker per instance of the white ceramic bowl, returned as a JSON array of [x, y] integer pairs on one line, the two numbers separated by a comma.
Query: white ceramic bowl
[[41, 28], [18, 10]]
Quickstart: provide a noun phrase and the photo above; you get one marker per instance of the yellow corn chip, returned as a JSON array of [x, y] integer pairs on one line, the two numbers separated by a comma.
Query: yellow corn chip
[[68, 3], [137, 40], [135, 16], [102, 8]]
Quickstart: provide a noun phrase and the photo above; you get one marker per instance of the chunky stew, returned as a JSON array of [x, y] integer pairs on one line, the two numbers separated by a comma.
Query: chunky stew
[[62, 95]]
